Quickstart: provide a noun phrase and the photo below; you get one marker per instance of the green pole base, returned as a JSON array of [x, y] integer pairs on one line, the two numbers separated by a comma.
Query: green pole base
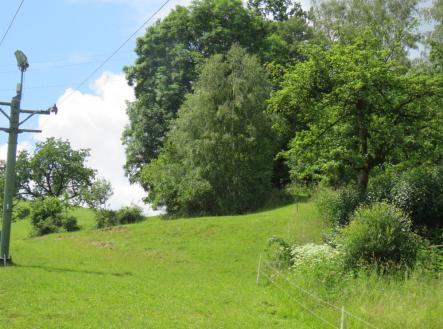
[[6, 262]]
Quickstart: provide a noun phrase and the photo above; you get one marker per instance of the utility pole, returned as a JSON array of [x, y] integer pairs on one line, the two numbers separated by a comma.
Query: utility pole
[[10, 174]]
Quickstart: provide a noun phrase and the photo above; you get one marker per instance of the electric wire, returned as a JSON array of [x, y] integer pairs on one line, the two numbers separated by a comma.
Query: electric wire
[[107, 59], [12, 22], [115, 51], [306, 308], [315, 297]]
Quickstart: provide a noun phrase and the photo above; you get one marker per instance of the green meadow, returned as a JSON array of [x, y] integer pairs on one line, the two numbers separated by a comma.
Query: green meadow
[[190, 273]]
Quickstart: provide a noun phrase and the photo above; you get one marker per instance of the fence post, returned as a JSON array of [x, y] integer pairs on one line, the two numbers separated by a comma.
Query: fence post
[[342, 324], [258, 269]]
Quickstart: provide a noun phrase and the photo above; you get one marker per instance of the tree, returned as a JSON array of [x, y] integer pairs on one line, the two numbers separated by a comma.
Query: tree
[[171, 52], [393, 22], [97, 195], [355, 109], [435, 39], [218, 156], [280, 10], [54, 170], [166, 68]]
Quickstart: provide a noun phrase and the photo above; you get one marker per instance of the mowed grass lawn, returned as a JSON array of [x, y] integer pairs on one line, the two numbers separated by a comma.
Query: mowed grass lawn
[[187, 273]]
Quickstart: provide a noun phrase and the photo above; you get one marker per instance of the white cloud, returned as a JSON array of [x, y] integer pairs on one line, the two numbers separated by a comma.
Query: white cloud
[[95, 120]]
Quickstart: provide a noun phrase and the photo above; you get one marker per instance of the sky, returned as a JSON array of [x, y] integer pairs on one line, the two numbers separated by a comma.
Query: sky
[[65, 41]]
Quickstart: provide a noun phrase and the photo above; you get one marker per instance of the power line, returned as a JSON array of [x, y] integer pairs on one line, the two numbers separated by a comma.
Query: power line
[[12, 22], [116, 51]]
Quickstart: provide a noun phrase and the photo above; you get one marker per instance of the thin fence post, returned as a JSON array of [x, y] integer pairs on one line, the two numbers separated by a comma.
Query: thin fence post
[[258, 269], [342, 324]]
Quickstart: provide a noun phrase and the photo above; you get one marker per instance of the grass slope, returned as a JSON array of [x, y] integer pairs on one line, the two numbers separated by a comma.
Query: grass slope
[[191, 273]]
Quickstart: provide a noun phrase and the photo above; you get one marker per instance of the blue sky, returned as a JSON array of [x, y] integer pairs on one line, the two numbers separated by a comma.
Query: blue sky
[[66, 40]]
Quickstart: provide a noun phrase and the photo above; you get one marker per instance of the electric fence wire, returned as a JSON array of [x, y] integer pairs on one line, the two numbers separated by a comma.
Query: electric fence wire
[[306, 308], [315, 297], [12, 22]]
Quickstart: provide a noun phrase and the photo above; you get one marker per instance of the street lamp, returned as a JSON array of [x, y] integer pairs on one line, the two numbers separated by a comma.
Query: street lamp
[[22, 60]]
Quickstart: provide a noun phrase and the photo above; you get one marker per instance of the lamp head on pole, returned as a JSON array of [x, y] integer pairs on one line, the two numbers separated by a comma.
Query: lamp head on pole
[[22, 60]]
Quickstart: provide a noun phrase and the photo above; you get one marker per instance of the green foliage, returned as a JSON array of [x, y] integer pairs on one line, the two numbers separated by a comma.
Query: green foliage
[[170, 55], [97, 195], [337, 207], [279, 253], [379, 236], [54, 170], [126, 215], [350, 107], [321, 263], [106, 218], [130, 215], [394, 22], [20, 211], [49, 215], [419, 192], [218, 157]]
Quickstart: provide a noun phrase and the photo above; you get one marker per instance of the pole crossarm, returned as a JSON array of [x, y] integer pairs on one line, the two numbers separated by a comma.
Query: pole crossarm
[[5, 103], [46, 112], [29, 131]]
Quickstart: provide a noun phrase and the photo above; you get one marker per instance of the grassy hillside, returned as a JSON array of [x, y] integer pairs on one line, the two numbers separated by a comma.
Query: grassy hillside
[[189, 273]]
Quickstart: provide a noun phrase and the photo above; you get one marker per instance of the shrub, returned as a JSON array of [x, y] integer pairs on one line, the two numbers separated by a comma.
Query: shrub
[[279, 253], [126, 215], [379, 235], [49, 215], [130, 215], [337, 207], [419, 192], [105, 218], [322, 265], [21, 211]]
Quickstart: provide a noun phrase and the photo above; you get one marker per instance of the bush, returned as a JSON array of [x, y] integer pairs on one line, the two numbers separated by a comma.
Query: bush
[[321, 264], [105, 218], [279, 253], [337, 207], [130, 215], [126, 215], [380, 236], [20, 212], [419, 192], [50, 215]]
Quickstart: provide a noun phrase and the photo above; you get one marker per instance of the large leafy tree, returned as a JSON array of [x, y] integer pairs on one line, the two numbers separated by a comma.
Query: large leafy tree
[[54, 170], [171, 51], [166, 67], [218, 156], [355, 108], [393, 22]]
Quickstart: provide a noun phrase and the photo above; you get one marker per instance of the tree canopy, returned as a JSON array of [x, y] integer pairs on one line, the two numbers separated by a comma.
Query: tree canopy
[[218, 156], [171, 51], [356, 108]]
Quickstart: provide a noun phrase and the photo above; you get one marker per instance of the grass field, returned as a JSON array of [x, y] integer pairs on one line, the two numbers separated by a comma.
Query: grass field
[[187, 273]]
